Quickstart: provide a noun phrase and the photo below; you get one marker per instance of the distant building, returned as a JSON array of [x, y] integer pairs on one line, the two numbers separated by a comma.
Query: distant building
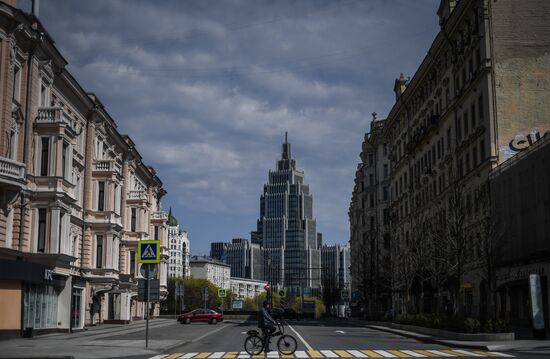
[[211, 269], [247, 288], [286, 228], [319, 240], [245, 258], [335, 264], [178, 264]]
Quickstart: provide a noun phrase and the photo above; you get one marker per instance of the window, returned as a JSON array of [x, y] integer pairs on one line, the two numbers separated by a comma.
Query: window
[[371, 200], [386, 172], [480, 107], [459, 129], [101, 196], [474, 156], [44, 157], [467, 162], [466, 124], [482, 150], [371, 159], [65, 160], [133, 220], [449, 139], [44, 95], [16, 83], [371, 180], [99, 252], [60, 233], [41, 243], [132, 255]]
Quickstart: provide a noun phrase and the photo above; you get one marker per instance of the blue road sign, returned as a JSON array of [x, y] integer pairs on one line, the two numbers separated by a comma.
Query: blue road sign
[[148, 251]]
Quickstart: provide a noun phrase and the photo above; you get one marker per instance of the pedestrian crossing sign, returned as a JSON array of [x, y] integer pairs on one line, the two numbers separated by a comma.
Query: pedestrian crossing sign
[[148, 251]]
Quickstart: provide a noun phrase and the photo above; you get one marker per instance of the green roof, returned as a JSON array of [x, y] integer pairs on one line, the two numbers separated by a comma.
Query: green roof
[[172, 221]]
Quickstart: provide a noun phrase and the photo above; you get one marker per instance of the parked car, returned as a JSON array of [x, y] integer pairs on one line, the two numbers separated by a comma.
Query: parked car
[[201, 315]]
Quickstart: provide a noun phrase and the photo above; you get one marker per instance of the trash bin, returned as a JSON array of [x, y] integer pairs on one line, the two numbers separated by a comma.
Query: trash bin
[[27, 332]]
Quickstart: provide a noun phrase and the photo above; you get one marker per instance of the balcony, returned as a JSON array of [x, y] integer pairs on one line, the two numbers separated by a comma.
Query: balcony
[[137, 196], [11, 172], [159, 216], [104, 166], [55, 115]]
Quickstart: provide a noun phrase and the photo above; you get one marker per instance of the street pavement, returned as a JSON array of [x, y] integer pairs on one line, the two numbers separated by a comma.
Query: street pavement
[[170, 340]]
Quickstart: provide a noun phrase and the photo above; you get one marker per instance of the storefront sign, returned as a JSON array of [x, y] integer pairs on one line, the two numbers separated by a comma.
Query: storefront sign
[[48, 275], [522, 142]]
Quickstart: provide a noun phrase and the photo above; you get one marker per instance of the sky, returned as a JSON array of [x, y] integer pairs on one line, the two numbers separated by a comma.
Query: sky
[[207, 89]]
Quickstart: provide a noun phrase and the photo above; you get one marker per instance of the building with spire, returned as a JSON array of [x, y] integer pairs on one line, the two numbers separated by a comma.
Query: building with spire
[[178, 240], [286, 229]]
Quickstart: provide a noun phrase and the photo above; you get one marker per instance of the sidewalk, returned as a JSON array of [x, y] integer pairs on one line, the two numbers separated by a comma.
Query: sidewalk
[[540, 346], [90, 343]]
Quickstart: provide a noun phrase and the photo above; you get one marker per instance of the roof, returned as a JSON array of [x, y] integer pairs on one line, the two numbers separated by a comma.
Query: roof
[[172, 221]]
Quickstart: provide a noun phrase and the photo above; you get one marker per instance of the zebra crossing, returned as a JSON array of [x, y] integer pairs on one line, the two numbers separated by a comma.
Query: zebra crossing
[[366, 353]]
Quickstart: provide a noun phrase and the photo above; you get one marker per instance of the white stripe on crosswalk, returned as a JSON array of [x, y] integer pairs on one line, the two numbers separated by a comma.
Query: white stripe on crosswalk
[[243, 355], [412, 353], [301, 354], [385, 354], [357, 354], [329, 354], [216, 355], [188, 355], [159, 356], [273, 354], [501, 354], [467, 353], [441, 354]]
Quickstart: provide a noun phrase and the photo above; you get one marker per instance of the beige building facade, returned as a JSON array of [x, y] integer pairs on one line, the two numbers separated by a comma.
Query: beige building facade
[[71, 189]]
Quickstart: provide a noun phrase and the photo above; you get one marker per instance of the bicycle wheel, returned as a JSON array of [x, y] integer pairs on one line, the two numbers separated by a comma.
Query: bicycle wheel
[[253, 345], [286, 344]]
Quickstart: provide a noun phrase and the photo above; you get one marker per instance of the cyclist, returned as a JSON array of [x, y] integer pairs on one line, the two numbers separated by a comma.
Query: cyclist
[[266, 323]]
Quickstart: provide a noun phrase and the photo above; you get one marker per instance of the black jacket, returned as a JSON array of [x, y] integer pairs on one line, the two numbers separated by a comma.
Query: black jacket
[[264, 319]]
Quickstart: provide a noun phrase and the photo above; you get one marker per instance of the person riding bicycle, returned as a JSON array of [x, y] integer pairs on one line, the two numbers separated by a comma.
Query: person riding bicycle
[[266, 323]]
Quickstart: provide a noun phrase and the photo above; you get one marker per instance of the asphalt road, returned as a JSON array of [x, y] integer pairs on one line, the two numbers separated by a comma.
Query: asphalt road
[[316, 339]]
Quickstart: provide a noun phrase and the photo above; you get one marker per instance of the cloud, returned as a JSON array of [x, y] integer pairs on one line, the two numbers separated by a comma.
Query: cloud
[[207, 89]]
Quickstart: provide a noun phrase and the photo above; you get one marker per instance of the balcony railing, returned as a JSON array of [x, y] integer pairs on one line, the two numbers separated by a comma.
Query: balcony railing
[[104, 165], [137, 195], [11, 169], [49, 114], [160, 215]]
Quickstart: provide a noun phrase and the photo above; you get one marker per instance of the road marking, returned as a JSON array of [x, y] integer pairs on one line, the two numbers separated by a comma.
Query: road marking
[[440, 353], [243, 355], [426, 353], [314, 354], [273, 354], [357, 354], [454, 353], [309, 347], [160, 356], [340, 331], [343, 354], [173, 356], [329, 354], [502, 354], [202, 355], [385, 354], [468, 353], [413, 353], [217, 355], [399, 353], [301, 354], [189, 355], [230, 355], [372, 354]]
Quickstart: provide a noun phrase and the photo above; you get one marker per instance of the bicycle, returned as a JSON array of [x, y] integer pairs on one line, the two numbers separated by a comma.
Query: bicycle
[[255, 342]]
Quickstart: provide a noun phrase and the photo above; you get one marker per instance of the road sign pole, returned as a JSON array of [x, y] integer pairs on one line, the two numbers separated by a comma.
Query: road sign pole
[[147, 309], [176, 292]]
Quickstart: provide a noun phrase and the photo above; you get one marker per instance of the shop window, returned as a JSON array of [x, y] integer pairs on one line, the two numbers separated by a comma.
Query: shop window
[[39, 306]]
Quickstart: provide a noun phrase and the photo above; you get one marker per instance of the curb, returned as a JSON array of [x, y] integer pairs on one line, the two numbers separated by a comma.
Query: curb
[[429, 339]]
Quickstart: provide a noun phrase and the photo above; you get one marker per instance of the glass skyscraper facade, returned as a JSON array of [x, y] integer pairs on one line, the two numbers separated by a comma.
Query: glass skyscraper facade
[[286, 229]]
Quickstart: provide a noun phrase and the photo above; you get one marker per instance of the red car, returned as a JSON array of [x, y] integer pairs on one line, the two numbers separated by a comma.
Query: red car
[[201, 315]]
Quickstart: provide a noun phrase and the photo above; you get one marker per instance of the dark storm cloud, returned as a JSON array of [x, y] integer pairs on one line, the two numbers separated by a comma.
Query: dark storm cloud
[[208, 88]]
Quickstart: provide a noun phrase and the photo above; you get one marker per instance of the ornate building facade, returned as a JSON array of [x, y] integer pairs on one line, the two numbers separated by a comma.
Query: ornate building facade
[[68, 184], [178, 241]]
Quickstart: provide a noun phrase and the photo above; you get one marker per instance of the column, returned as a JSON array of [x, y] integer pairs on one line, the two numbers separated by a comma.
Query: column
[[55, 234]]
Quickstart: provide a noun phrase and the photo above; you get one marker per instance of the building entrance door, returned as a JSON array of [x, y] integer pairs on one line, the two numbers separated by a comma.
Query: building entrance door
[[76, 308]]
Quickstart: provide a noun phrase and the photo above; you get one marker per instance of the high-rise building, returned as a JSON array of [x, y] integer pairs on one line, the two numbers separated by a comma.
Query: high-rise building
[[286, 228], [178, 241], [245, 258]]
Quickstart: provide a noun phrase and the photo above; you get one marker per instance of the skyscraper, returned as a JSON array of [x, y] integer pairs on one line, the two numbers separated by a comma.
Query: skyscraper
[[286, 228]]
